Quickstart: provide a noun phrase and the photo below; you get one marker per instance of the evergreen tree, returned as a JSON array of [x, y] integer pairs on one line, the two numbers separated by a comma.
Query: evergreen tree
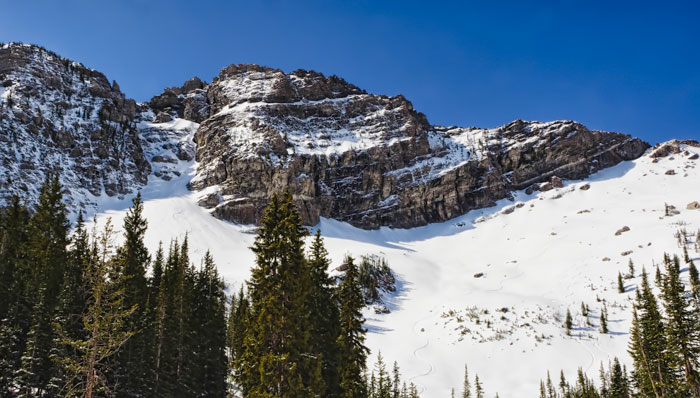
[[353, 352], [568, 323], [324, 315], [620, 284], [382, 388], [104, 320], [630, 265], [603, 321], [478, 389], [132, 373], [396, 382], [681, 329], [466, 388], [647, 345], [278, 359], [208, 323]]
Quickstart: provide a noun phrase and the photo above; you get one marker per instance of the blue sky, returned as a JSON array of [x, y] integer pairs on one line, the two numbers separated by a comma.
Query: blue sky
[[632, 67]]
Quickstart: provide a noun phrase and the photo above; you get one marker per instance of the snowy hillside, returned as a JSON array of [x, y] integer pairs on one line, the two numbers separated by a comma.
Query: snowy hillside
[[540, 254]]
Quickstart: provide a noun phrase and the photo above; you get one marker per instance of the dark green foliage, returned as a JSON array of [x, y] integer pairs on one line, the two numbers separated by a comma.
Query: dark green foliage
[[375, 277], [353, 352], [568, 323], [620, 284], [278, 359], [324, 315], [604, 320]]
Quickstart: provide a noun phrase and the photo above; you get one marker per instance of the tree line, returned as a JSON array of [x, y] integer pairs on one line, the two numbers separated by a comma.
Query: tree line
[[664, 343], [83, 316]]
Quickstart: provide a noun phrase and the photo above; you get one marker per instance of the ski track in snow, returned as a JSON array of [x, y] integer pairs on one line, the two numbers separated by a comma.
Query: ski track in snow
[[538, 261]]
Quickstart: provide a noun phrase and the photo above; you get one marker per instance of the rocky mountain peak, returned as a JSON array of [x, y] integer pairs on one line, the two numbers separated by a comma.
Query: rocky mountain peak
[[59, 116], [370, 160]]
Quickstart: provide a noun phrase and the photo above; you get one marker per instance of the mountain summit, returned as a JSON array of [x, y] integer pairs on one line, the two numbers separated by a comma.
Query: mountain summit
[[370, 160]]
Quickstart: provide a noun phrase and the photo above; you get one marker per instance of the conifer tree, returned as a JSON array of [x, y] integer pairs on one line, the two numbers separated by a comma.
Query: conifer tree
[[568, 323], [466, 388], [603, 321], [104, 320], [396, 381], [324, 315], [278, 359], [353, 352], [478, 389], [132, 259], [620, 284], [647, 345], [681, 329], [630, 265]]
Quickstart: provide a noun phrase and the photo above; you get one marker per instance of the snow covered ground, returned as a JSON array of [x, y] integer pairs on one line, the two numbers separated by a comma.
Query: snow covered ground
[[540, 255]]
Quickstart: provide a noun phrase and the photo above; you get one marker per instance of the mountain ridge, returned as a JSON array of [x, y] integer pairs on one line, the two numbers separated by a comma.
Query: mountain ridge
[[371, 160]]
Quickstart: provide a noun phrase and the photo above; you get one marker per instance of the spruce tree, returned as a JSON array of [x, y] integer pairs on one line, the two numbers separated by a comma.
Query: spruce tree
[[132, 372], [681, 327], [620, 284], [324, 315], [278, 359], [568, 323], [353, 352], [603, 321], [466, 388], [647, 345], [478, 389], [104, 320]]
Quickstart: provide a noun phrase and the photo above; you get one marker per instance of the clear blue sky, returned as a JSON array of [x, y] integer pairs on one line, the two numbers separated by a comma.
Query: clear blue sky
[[631, 67]]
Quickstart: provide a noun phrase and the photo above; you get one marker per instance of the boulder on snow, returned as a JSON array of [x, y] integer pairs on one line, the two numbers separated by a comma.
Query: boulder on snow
[[693, 205], [556, 182], [585, 187], [670, 172], [621, 230], [693, 157], [546, 186]]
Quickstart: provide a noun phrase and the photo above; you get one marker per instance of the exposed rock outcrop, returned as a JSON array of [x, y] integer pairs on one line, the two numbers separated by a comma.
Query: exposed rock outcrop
[[373, 160], [59, 116]]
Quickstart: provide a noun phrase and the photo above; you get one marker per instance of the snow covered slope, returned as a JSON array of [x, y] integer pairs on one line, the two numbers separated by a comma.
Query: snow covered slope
[[540, 254]]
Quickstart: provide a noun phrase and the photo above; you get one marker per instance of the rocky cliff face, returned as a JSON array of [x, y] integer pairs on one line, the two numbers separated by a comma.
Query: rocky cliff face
[[59, 116], [370, 160]]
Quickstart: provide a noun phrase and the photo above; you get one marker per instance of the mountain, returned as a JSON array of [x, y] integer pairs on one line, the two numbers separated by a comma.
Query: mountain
[[537, 255], [492, 234], [369, 160]]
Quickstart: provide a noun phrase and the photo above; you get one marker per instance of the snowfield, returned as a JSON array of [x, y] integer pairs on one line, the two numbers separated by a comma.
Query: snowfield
[[539, 254]]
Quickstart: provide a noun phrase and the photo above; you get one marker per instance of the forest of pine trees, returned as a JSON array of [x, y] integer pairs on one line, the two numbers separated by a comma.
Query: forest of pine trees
[[83, 316], [664, 344]]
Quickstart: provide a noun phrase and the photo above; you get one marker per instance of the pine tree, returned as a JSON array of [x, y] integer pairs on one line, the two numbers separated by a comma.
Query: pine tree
[[466, 388], [131, 372], [396, 382], [104, 320], [618, 382], [208, 364], [620, 284], [584, 309], [478, 389], [647, 345], [15, 309], [604, 320], [631, 268], [353, 352], [324, 315], [383, 382], [681, 327], [278, 358], [568, 323], [46, 258]]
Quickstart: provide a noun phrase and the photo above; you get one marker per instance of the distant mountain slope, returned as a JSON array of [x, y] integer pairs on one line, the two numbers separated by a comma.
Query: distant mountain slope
[[367, 159]]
